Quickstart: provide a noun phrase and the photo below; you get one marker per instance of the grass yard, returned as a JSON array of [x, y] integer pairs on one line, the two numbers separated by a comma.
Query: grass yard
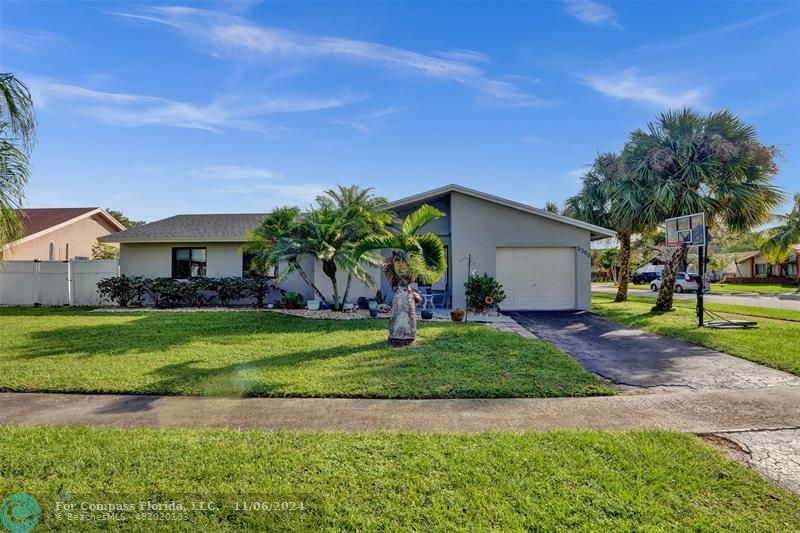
[[566, 480], [267, 354], [739, 288], [776, 343]]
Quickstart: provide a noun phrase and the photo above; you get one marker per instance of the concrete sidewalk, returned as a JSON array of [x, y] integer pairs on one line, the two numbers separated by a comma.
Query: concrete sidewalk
[[698, 412]]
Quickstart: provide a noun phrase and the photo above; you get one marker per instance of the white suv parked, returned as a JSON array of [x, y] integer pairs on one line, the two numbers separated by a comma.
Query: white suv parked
[[683, 282]]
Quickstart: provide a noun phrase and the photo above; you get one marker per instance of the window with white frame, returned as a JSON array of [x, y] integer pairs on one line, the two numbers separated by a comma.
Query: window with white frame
[[761, 269]]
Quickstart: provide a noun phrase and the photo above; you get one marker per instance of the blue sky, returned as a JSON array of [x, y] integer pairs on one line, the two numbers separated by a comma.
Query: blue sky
[[157, 109]]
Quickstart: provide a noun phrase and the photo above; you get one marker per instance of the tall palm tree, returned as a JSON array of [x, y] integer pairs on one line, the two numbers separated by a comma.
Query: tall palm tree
[[612, 198], [692, 163], [414, 256], [17, 135]]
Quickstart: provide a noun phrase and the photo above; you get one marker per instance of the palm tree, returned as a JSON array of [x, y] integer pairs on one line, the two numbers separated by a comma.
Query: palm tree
[[366, 214], [277, 241], [611, 198], [551, 207], [328, 232], [17, 135], [782, 237], [692, 163], [414, 256]]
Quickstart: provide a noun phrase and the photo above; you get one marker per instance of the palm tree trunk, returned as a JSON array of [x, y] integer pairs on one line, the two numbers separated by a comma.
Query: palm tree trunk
[[624, 266], [347, 289], [329, 268], [665, 293], [297, 268], [403, 323]]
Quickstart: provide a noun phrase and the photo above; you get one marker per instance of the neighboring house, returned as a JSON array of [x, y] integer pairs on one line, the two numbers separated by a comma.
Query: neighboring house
[[543, 260], [655, 264], [755, 265], [60, 233]]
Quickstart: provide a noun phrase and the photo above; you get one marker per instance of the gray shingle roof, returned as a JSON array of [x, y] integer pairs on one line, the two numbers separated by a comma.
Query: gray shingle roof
[[222, 227]]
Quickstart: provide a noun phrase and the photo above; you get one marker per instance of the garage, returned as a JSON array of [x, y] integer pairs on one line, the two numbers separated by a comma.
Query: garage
[[541, 279]]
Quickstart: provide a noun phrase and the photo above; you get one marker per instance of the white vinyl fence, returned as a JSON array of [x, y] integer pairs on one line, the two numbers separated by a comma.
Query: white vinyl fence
[[53, 282]]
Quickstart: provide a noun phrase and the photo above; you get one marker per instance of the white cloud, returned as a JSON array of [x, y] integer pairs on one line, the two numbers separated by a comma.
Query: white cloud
[[592, 13], [467, 56], [713, 32], [238, 37], [369, 122], [628, 84], [126, 109], [233, 172], [30, 41]]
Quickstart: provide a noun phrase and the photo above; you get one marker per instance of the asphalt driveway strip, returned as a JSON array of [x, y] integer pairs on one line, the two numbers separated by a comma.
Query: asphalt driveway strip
[[635, 359]]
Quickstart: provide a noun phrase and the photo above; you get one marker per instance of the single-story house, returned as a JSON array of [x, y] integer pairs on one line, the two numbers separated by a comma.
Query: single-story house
[[542, 259], [755, 265], [60, 233], [654, 264]]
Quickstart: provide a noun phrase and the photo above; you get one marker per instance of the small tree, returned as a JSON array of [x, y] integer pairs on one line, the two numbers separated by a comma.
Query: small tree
[[104, 251]]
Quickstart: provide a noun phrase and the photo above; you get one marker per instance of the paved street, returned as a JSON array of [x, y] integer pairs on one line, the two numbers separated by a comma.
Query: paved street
[[774, 302]]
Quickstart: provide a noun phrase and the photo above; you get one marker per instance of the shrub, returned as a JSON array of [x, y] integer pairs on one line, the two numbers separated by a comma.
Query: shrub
[[160, 290], [483, 291], [122, 290], [229, 289], [260, 287], [292, 299]]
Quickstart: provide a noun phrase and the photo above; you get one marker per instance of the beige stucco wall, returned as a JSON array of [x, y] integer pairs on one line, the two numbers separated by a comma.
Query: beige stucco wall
[[357, 288], [81, 236], [154, 260], [479, 227]]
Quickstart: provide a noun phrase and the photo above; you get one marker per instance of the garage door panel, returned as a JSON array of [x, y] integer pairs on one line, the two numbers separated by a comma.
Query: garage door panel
[[537, 278]]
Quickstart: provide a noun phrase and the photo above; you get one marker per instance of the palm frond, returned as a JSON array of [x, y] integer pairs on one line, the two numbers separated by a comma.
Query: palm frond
[[419, 218]]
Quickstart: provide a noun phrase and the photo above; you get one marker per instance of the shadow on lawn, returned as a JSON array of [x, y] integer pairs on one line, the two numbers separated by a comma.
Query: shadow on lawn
[[157, 332]]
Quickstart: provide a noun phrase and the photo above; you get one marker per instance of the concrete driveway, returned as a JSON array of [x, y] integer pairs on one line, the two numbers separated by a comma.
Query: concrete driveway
[[637, 359], [790, 301]]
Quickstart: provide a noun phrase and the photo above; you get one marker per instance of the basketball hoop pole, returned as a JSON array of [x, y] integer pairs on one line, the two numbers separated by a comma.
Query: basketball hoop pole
[[701, 267]]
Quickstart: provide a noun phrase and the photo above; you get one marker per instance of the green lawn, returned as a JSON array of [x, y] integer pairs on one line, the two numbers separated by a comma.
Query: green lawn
[[775, 343], [267, 354], [566, 480], [739, 288], [724, 309]]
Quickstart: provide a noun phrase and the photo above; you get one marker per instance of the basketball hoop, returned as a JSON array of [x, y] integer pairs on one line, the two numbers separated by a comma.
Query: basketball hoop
[[668, 249]]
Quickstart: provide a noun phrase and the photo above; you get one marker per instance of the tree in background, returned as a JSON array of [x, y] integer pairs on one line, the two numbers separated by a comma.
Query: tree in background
[[17, 136], [125, 221], [611, 198], [552, 207], [693, 163], [780, 238], [104, 251], [414, 256]]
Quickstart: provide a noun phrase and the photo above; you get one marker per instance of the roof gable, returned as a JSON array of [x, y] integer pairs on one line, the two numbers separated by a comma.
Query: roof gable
[[596, 232], [40, 221]]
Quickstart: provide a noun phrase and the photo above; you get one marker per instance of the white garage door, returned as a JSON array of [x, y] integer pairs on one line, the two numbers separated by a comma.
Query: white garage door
[[537, 278]]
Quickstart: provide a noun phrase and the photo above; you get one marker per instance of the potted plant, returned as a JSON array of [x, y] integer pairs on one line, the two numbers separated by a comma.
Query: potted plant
[[292, 300], [457, 314], [372, 304], [427, 313], [313, 305]]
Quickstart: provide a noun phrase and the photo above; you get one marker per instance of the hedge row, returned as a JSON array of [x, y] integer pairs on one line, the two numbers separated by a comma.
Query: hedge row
[[131, 291]]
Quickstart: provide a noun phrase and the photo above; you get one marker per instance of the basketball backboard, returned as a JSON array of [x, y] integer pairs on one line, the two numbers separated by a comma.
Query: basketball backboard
[[687, 229]]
